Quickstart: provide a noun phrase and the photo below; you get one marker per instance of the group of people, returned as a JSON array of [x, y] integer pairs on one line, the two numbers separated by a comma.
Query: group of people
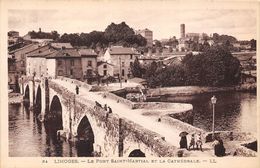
[[106, 108], [195, 142]]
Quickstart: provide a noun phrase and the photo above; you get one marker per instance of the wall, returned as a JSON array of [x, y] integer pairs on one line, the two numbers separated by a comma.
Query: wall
[[85, 67], [110, 69], [37, 65], [65, 68], [20, 56], [125, 64], [51, 67]]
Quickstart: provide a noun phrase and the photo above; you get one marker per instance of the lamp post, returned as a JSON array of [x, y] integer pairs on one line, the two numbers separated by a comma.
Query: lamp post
[[213, 101]]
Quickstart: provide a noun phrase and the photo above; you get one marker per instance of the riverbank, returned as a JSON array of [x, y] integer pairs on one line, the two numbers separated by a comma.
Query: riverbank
[[193, 90], [15, 98]]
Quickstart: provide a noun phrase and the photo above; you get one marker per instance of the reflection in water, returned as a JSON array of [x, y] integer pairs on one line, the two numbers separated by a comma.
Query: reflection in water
[[28, 137], [233, 110]]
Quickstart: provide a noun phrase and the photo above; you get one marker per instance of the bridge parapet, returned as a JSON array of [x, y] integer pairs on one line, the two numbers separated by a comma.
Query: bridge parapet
[[113, 136], [77, 82]]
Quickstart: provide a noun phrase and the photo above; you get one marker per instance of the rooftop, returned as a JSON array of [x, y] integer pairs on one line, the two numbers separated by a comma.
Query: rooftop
[[118, 50], [87, 52], [41, 53], [103, 62], [65, 53], [29, 45], [61, 45]]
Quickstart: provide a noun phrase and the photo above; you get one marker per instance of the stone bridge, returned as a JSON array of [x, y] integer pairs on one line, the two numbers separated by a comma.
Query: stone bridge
[[77, 118]]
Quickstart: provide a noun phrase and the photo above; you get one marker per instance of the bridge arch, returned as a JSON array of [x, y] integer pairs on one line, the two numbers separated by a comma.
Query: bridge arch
[[55, 113], [86, 138], [38, 100], [136, 153], [27, 95]]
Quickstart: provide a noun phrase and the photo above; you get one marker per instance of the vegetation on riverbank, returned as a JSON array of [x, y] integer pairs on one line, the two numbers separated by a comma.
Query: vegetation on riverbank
[[214, 67]]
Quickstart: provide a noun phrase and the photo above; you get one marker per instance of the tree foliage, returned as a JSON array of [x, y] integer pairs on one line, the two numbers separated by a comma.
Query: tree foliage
[[136, 69], [114, 34], [223, 38], [214, 67], [43, 35]]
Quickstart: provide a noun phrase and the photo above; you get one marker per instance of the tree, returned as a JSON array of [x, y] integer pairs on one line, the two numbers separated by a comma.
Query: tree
[[124, 35], [136, 69], [219, 68]]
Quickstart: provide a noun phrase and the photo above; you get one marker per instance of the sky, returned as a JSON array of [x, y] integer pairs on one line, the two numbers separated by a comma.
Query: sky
[[164, 20]]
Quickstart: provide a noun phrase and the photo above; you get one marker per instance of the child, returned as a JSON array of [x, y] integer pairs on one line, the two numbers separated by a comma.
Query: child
[[199, 143], [192, 141]]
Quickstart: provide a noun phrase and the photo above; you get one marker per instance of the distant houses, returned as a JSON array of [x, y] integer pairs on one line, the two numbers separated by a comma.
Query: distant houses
[[20, 57], [62, 59], [44, 57], [121, 58]]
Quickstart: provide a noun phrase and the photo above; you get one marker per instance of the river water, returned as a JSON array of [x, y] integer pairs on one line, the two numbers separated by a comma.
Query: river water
[[234, 111], [29, 137]]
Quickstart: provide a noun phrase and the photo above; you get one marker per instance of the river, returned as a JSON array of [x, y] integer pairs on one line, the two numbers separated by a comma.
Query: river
[[29, 137], [234, 111]]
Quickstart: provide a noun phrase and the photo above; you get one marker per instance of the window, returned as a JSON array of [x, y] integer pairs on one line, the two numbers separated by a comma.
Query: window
[[123, 64], [60, 73], [105, 72], [131, 64], [22, 63], [71, 71], [72, 62], [105, 66], [131, 56], [90, 63], [123, 72], [59, 62]]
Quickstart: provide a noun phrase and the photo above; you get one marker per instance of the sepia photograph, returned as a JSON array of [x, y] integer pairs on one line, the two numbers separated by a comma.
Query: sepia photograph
[[132, 80]]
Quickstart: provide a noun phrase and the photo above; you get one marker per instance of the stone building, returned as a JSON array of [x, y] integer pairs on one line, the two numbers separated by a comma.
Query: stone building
[[12, 74], [65, 62], [89, 62], [20, 57], [105, 69], [36, 59], [148, 35], [121, 58]]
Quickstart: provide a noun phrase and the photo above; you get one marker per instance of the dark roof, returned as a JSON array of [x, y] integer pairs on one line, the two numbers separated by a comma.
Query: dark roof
[[64, 53], [61, 45], [42, 53], [121, 50], [102, 62], [29, 45], [87, 52]]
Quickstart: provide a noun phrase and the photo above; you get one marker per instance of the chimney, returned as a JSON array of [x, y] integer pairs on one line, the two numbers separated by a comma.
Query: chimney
[[40, 30]]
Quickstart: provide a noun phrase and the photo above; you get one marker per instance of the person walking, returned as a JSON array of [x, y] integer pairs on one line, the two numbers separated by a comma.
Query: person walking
[[77, 89], [105, 107], [192, 142]]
